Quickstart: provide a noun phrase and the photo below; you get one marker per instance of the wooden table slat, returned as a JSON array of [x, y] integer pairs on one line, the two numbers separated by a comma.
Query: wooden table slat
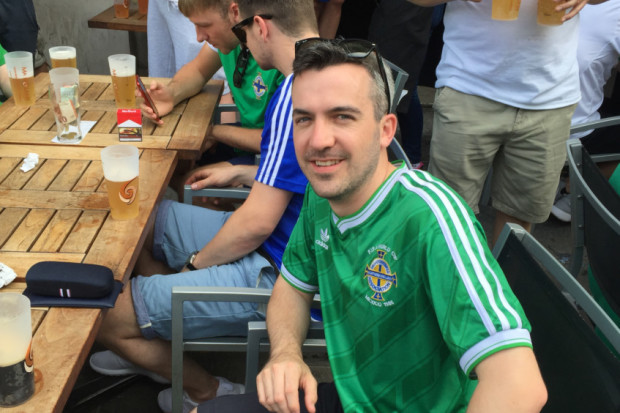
[[84, 232], [69, 175], [45, 174], [10, 218], [28, 230], [58, 229]]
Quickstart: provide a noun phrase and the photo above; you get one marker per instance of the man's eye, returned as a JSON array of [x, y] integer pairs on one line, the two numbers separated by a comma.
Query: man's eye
[[344, 116], [301, 119]]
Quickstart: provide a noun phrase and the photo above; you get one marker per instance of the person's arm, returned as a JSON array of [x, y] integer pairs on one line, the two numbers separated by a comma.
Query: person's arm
[[5, 84], [222, 176], [247, 228], [288, 315], [329, 18], [238, 137], [509, 381], [187, 82]]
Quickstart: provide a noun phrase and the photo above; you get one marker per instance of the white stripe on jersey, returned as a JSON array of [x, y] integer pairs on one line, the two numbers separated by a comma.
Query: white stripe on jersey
[[457, 223], [374, 203], [481, 254], [514, 337], [308, 288], [279, 134]]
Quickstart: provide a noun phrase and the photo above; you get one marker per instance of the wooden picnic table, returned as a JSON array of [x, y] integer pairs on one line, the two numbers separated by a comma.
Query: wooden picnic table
[[59, 211], [185, 129], [136, 22]]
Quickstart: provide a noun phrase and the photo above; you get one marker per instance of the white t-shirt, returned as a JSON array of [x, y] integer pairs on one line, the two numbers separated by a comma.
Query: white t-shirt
[[597, 54], [519, 63]]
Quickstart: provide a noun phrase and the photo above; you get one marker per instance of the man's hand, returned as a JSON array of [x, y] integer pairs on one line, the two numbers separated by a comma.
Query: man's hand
[[279, 382], [575, 7], [221, 176], [163, 100]]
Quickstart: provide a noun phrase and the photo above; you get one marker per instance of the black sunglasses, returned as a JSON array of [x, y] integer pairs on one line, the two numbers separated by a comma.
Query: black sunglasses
[[355, 48], [241, 66], [238, 28]]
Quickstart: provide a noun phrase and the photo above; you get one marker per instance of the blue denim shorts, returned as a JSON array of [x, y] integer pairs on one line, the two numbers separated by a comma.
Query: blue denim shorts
[[180, 230]]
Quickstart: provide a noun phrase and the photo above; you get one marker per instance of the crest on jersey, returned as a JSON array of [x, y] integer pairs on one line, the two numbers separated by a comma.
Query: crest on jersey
[[258, 84], [379, 276]]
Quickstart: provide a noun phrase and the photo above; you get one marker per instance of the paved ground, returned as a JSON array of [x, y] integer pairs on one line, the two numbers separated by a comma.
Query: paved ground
[[140, 394]]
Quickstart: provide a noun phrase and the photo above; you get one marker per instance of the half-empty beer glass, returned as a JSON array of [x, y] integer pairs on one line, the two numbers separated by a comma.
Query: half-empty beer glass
[[21, 76], [123, 71]]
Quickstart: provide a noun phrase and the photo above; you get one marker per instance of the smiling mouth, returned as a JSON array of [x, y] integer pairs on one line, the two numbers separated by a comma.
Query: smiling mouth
[[326, 163]]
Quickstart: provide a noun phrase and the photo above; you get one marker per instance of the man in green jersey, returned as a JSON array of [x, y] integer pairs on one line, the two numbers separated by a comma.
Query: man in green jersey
[[251, 86], [418, 315]]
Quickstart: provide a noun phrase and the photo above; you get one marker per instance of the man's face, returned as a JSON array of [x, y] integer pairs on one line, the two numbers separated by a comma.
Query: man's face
[[337, 139], [259, 50], [214, 28]]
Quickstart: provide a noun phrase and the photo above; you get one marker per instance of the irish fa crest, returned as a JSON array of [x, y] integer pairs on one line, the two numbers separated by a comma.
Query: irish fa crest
[[379, 276], [259, 86]]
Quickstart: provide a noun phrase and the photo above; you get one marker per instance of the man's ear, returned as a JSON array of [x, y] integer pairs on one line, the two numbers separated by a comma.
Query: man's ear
[[233, 13], [263, 29], [387, 128]]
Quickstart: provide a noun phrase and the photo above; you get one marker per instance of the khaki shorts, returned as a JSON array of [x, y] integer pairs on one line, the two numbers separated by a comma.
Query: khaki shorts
[[526, 149]]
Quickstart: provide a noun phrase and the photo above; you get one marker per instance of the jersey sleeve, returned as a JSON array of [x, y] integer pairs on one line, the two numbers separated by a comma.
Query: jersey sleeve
[[278, 165], [477, 312], [299, 262]]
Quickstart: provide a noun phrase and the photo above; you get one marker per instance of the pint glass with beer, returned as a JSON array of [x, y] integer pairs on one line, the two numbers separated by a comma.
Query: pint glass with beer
[[547, 14], [63, 56], [21, 76], [505, 9], [120, 169], [123, 71], [16, 367]]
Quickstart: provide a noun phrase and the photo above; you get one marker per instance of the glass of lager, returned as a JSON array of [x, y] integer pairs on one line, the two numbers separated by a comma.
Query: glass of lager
[[21, 76], [547, 14], [121, 9], [505, 9], [65, 97], [120, 169], [63, 56], [123, 71], [16, 369]]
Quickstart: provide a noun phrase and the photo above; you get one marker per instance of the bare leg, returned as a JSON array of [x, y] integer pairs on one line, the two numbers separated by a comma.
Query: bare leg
[[120, 333], [146, 265], [501, 219]]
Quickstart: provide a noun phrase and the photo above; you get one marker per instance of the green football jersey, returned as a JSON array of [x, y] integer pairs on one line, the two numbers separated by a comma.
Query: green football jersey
[[412, 298], [256, 89]]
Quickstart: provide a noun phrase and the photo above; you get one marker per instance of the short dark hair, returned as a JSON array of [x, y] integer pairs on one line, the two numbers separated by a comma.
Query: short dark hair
[[292, 17], [323, 54]]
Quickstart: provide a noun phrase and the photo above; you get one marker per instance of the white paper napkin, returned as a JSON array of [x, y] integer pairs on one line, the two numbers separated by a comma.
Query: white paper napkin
[[85, 125], [30, 162], [7, 275]]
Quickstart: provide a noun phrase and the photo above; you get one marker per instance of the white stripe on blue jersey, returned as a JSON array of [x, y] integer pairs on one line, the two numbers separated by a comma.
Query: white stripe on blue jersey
[[280, 132]]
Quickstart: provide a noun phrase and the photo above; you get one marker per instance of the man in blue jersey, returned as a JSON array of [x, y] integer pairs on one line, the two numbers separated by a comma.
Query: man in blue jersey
[[197, 246], [418, 315]]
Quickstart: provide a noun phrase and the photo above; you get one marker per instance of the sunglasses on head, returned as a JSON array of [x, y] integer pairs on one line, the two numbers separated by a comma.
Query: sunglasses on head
[[238, 28], [356, 49]]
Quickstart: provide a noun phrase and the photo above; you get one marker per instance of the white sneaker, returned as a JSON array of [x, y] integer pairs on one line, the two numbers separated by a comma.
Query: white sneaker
[[109, 363], [561, 208], [164, 398]]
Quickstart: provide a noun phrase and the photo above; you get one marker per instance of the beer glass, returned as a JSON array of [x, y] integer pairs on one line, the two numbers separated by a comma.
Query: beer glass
[[121, 9], [547, 14], [16, 368], [505, 9], [64, 95], [143, 6], [120, 169], [63, 56], [21, 76], [123, 71]]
